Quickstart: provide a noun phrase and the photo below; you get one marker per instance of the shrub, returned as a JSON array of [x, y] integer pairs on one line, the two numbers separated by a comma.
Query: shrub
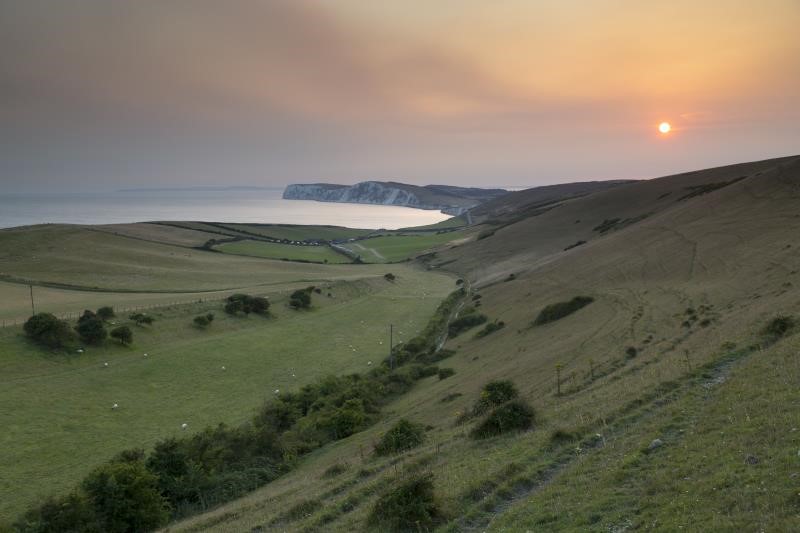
[[201, 321], [46, 329], [106, 313], [445, 373], [409, 506], [72, 512], [401, 437], [125, 497], [389, 276], [490, 328], [495, 393], [631, 352], [244, 303], [511, 416], [300, 299], [559, 310], [778, 327], [141, 319], [465, 322], [90, 328], [335, 470], [122, 334]]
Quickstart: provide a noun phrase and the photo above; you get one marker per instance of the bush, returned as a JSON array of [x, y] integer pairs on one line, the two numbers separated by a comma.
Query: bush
[[465, 322], [67, 513], [126, 498], [141, 319], [778, 327], [46, 329], [106, 313], [201, 321], [445, 373], [495, 393], [556, 311], [511, 416], [90, 328], [389, 276], [244, 303], [490, 328], [300, 299], [410, 506], [122, 334], [401, 437]]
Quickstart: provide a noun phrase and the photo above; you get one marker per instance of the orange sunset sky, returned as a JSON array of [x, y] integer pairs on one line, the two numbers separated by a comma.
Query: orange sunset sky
[[126, 93]]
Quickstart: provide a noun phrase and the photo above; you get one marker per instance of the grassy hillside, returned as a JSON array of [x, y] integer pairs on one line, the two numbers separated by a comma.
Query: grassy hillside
[[664, 404], [399, 247], [57, 416]]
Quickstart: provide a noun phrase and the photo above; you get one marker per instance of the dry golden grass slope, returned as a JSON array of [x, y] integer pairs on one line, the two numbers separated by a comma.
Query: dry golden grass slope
[[690, 283]]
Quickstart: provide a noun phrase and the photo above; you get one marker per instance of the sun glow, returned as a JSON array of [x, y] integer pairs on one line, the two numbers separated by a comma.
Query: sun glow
[[664, 127]]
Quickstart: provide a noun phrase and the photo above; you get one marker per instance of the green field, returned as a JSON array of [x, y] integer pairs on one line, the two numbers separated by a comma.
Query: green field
[[299, 233], [399, 247], [289, 252], [57, 416]]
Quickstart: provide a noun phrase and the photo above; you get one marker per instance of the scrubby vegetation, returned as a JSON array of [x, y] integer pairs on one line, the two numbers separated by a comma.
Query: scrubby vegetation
[[142, 319], [301, 299], [445, 373], [203, 321], [512, 416], [402, 436], [490, 328], [409, 506], [468, 320], [47, 329], [246, 304], [91, 328], [122, 334], [559, 310], [106, 313], [778, 327]]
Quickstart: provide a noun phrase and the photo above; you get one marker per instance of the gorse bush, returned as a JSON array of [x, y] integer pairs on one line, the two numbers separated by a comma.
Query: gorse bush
[[557, 311], [495, 393], [463, 323], [515, 415], [141, 319], [91, 328], [402, 436], [778, 327], [490, 328], [48, 330], [244, 303], [409, 506], [106, 313], [445, 373], [300, 299]]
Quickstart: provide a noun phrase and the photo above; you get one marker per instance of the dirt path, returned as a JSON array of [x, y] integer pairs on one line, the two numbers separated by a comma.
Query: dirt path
[[374, 252]]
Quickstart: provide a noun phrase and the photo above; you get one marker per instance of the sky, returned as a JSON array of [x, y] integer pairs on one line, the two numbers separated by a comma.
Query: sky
[[103, 95]]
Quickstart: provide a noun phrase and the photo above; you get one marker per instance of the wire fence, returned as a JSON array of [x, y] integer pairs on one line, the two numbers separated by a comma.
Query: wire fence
[[14, 322]]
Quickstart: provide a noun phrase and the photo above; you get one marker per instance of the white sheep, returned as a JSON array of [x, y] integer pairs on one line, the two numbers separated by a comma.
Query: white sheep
[[277, 391], [223, 368], [114, 406], [184, 425], [105, 364]]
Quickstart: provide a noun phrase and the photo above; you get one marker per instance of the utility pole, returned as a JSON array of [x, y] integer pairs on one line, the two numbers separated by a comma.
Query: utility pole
[[391, 352], [33, 309]]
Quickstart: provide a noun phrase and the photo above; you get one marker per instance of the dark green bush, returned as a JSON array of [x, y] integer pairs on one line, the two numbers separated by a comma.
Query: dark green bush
[[409, 506], [515, 415], [122, 334], [126, 498], [445, 373], [141, 318], [556, 311], [244, 303], [402, 436], [495, 393], [389, 276], [490, 328], [49, 330], [106, 313], [465, 322], [778, 327], [300, 299], [72, 512], [201, 321], [91, 328]]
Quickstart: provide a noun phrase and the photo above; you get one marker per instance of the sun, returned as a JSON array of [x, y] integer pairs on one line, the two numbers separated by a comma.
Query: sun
[[664, 127]]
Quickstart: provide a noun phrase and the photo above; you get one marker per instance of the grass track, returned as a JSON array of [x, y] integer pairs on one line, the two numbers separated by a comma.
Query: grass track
[[290, 252]]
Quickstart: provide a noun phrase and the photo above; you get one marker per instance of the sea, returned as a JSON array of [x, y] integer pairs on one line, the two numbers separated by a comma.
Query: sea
[[229, 205]]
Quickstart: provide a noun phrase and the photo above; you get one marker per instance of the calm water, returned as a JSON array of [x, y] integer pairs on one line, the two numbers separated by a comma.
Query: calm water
[[264, 206]]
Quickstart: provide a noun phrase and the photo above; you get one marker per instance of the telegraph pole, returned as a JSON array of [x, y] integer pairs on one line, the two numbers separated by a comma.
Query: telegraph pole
[[33, 309]]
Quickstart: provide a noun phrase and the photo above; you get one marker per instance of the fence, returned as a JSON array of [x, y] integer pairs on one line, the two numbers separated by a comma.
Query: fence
[[13, 322]]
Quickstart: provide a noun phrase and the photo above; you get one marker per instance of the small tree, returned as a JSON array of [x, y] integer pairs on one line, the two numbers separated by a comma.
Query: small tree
[[106, 313], [201, 321], [91, 328], [300, 299], [210, 317], [46, 329], [401, 437], [389, 276], [122, 334]]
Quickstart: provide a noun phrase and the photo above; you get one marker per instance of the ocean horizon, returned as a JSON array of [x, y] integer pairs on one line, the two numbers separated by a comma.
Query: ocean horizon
[[235, 204]]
